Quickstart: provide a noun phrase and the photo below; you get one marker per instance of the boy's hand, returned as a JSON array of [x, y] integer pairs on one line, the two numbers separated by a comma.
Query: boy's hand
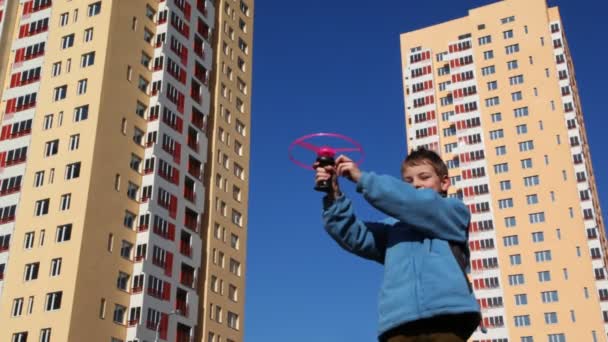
[[328, 173], [347, 168]]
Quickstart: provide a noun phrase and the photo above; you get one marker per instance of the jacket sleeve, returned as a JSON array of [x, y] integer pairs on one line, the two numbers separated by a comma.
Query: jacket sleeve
[[365, 239], [422, 209]]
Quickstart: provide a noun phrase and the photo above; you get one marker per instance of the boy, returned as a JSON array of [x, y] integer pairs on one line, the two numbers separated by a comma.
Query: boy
[[425, 295]]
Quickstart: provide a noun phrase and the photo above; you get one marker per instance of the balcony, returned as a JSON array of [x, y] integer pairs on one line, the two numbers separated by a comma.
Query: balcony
[[4, 220], [158, 262], [194, 171], [169, 234], [191, 223], [189, 195], [185, 248], [9, 191], [182, 307], [186, 279], [137, 289], [133, 322]]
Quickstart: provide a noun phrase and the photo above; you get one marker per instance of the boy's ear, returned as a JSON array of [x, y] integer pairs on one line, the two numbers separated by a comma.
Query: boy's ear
[[445, 183]]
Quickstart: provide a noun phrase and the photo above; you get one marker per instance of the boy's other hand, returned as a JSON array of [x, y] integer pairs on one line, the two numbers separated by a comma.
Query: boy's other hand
[[348, 169]]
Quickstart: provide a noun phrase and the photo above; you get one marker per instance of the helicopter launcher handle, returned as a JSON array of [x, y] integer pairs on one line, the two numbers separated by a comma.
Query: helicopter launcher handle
[[324, 185]]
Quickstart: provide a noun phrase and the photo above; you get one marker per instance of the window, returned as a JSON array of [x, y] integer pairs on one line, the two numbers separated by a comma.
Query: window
[[551, 317], [557, 337], [87, 59], [64, 233], [511, 240], [526, 163], [507, 19], [72, 171], [521, 299], [484, 40], [507, 34], [67, 41], [142, 84], [496, 117], [31, 271], [88, 34], [515, 259], [512, 65], [234, 241], [94, 9], [51, 148], [53, 301], [488, 54], [531, 181], [501, 168], [517, 96], [496, 134], [511, 49], [47, 122], [514, 80], [17, 307], [549, 296], [59, 93], [39, 179], [129, 219], [45, 335], [505, 203], [493, 101], [516, 279], [493, 85], [489, 70], [74, 142], [125, 249], [64, 19], [20, 337], [82, 86], [232, 320], [122, 283], [520, 112], [64, 202], [505, 185], [522, 320], [41, 207], [544, 276], [28, 240], [81, 113], [132, 190], [235, 267], [521, 129], [526, 146], [542, 256], [537, 217], [119, 313]]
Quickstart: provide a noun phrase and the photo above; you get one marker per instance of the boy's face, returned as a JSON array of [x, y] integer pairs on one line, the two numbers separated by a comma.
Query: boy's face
[[424, 176]]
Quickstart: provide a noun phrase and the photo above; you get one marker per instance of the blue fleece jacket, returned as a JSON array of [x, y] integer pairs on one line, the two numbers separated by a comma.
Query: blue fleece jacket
[[422, 278]]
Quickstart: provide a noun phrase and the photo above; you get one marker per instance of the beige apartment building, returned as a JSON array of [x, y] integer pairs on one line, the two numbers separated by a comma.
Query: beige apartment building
[[124, 156], [495, 93]]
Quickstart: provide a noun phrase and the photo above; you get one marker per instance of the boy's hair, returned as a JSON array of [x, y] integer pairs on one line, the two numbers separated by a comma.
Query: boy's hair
[[424, 156]]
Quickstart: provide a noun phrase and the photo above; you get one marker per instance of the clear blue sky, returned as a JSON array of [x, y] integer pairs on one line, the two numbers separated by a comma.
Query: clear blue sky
[[334, 66]]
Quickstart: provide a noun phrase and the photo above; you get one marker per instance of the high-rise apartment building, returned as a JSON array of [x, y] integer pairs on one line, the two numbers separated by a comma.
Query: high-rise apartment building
[[494, 92], [124, 155]]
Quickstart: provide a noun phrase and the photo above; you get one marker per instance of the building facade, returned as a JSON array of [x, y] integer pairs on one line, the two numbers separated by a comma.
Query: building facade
[[117, 118], [495, 94]]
